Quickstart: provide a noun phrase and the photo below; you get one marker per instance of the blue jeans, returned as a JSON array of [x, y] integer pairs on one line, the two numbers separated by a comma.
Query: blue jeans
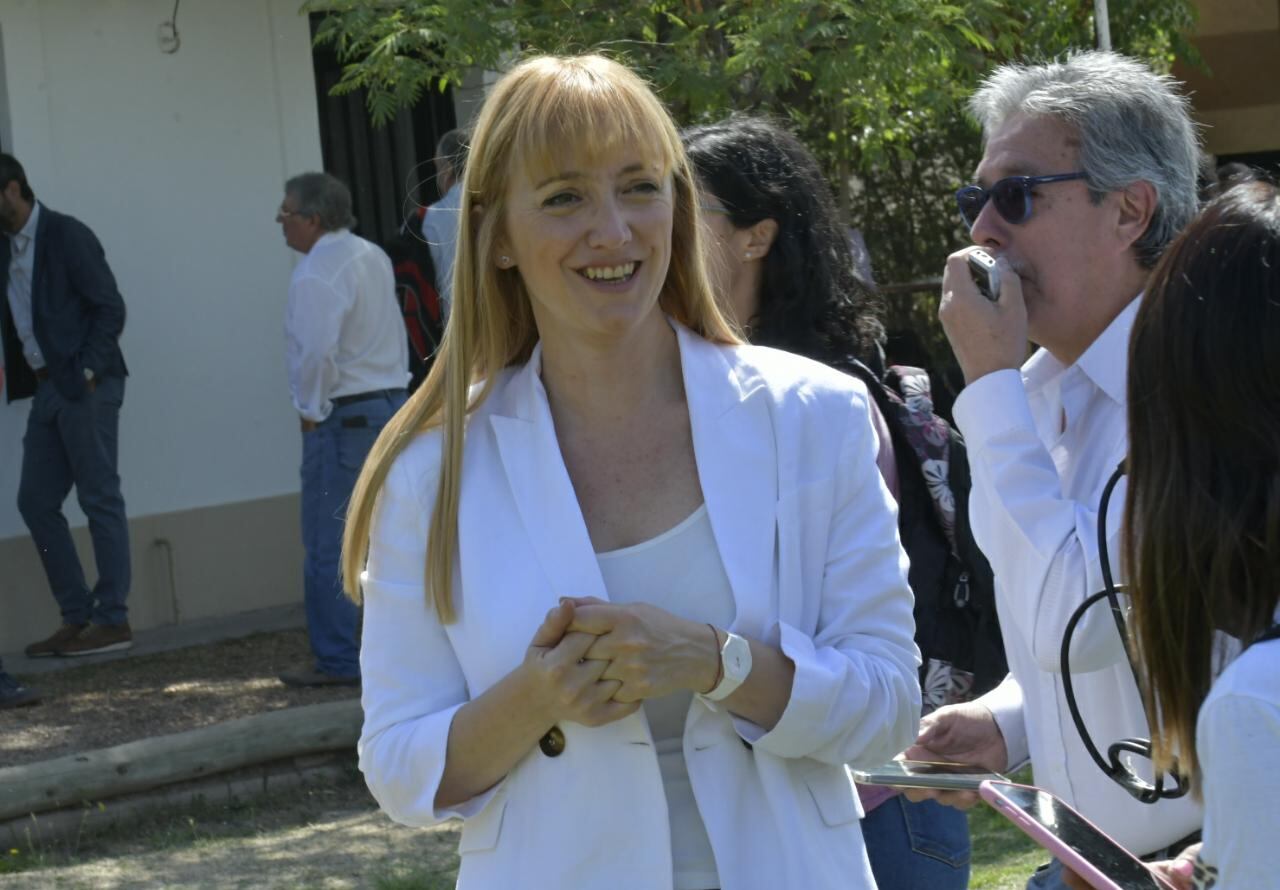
[[332, 455], [1047, 877], [75, 444], [917, 846]]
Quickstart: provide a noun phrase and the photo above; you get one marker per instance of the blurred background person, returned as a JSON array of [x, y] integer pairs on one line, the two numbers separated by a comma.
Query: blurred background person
[[60, 328], [440, 223], [348, 362]]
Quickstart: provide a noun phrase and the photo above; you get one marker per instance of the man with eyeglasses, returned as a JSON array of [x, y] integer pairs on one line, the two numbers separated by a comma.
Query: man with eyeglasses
[[348, 359], [61, 316], [1089, 170]]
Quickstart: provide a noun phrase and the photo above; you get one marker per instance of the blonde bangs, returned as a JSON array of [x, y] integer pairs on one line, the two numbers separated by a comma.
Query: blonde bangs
[[581, 110]]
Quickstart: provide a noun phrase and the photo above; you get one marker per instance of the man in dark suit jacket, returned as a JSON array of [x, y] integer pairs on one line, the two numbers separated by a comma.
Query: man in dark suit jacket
[[60, 328]]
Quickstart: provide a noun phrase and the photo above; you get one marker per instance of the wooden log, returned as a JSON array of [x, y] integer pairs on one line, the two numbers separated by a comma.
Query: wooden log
[[149, 763]]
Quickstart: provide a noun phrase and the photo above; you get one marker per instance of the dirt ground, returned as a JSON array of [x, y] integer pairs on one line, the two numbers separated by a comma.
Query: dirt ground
[[327, 836], [99, 705]]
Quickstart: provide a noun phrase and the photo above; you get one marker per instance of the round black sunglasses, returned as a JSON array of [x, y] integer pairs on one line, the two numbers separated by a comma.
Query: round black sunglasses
[[1011, 196]]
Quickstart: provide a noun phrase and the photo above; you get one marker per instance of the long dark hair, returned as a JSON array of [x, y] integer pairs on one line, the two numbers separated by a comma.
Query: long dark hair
[[1202, 514], [811, 301]]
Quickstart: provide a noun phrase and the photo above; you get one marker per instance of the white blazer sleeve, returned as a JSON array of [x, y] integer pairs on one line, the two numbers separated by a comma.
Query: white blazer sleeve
[[856, 693], [412, 681]]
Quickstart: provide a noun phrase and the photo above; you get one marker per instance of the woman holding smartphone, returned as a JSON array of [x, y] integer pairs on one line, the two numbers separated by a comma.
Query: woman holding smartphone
[[1202, 519]]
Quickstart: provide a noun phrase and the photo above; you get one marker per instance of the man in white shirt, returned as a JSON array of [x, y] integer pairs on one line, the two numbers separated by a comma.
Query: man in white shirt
[[1089, 171], [348, 365], [440, 223]]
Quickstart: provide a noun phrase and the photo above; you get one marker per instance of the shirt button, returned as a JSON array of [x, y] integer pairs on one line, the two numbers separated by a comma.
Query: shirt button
[[552, 744]]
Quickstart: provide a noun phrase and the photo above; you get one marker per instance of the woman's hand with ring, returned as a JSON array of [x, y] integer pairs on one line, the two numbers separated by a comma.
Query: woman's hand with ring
[[564, 680], [647, 650]]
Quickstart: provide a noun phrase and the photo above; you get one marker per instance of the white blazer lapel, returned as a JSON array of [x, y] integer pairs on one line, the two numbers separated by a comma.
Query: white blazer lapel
[[735, 449], [541, 488]]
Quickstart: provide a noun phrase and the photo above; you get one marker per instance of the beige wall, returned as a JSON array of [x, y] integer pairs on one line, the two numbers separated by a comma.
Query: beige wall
[[1238, 101], [187, 564]]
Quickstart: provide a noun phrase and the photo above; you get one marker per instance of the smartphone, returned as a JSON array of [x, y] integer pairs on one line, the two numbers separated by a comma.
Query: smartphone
[[986, 275], [1079, 844], [927, 774]]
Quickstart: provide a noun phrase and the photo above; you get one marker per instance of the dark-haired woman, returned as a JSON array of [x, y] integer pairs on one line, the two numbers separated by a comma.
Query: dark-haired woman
[[1202, 520], [781, 262]]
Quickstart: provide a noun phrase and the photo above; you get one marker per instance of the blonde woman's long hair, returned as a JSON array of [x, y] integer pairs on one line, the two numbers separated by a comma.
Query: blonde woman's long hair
[[543, 111]]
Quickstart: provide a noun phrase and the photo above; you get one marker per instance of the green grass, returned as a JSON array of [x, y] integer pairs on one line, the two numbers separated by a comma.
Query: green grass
[[413, 877], [1003, 857]]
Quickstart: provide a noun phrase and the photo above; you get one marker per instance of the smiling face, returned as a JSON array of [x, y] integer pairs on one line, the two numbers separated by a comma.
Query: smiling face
[[591, 241], [1073, 255]]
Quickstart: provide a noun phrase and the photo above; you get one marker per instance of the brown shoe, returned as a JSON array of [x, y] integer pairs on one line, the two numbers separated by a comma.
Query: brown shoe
[[50, 647], [99, 638]]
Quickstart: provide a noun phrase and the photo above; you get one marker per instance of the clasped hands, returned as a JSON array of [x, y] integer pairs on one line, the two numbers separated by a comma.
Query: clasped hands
[[593, 662]]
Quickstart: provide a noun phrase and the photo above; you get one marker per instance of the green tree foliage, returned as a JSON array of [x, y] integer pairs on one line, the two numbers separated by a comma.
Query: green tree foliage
[[876, 88]]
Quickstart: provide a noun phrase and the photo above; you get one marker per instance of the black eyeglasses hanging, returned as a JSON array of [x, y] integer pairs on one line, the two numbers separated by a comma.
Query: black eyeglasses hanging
[[1114, 766]]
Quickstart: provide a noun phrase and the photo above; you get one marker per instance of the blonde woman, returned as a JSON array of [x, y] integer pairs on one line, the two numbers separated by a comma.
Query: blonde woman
[[633, 591]]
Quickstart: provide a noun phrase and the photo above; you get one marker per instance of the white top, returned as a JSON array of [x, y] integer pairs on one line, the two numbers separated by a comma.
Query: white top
[[1042, 445], [22, 261], [343, 329], [440, 229], [1238, 740], [679, 571]]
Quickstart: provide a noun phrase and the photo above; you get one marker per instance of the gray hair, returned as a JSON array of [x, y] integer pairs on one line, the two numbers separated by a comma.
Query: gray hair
[[1133, 124], [324, 196]]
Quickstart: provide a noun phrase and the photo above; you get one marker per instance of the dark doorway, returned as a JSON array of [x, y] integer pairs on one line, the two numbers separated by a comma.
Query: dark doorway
[[1266, 161], [388, 168]]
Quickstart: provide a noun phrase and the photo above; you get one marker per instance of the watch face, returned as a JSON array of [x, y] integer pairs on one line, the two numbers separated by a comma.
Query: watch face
[[737, 658]]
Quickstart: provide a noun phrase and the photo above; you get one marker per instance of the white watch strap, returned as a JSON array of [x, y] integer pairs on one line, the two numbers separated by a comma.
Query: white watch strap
[[735, 663]]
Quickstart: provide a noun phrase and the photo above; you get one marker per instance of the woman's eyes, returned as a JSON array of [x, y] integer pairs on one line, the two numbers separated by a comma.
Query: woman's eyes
[[562, 200]]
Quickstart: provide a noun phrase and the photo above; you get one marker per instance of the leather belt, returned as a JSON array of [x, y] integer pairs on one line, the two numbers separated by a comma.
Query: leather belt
[[366, 396]]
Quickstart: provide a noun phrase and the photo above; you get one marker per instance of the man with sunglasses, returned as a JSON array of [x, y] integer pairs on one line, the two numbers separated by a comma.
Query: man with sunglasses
[[1089, 170]]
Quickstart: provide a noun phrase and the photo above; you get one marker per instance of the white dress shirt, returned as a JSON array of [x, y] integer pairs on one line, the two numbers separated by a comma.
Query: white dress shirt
[[1238, 740], [343, 328], [22, 263], [440, 229], [1042, 445]]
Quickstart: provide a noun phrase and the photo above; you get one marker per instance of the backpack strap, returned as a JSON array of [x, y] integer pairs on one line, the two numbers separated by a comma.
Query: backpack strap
[[929, 438]]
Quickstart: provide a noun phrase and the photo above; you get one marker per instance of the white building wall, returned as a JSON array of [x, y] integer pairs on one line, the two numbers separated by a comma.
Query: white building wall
[[177, 163]]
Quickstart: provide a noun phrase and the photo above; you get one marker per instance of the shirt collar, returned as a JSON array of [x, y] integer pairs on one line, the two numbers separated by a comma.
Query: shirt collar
[[327, 237], [23, 237], [1105, 362]]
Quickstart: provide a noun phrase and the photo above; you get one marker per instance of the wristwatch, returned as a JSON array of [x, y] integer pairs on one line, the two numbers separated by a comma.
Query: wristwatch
[[735, 665]]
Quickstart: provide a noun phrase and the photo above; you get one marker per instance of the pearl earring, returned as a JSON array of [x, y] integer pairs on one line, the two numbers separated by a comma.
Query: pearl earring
[[504, 261], [748, 255]]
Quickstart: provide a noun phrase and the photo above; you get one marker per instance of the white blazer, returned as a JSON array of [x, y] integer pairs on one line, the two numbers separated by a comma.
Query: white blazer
[[807, 533]]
